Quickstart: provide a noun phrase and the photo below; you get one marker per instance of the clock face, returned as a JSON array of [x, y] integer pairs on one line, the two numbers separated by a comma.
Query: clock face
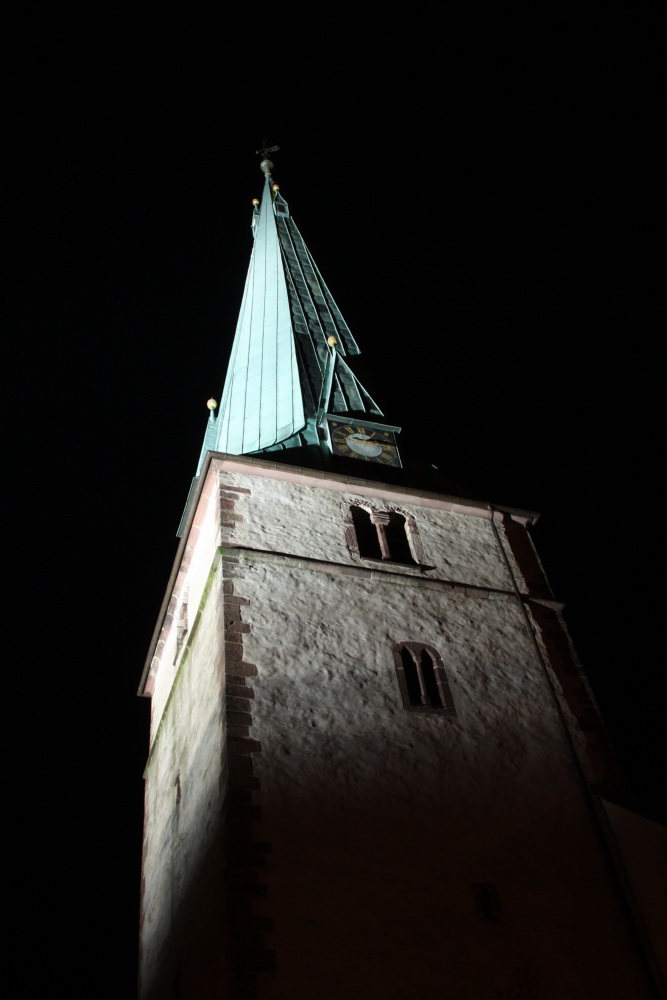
[[366, 443]]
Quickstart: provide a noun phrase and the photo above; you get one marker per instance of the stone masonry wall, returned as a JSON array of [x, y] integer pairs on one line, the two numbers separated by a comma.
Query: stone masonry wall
[[183, 919], [301, 521], [382, 821], [333, 843], [386, 828]]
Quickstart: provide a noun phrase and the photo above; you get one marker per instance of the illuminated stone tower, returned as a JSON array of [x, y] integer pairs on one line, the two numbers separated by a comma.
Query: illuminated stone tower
[[373, 754]]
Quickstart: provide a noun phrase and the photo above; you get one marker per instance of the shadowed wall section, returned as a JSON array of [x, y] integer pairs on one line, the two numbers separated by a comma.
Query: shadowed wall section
[[310, 834]]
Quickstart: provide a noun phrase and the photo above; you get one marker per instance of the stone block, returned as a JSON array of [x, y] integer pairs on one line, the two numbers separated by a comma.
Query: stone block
[[239, 718], [240, 766], [237, 688], [238, 705], [244, 669], [241, 780], [234, 730], [233, 653], [236, 626], [240, 746]]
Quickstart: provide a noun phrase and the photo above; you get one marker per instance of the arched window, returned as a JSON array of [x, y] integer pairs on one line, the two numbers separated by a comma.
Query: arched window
[[422, 680], [382, 535]]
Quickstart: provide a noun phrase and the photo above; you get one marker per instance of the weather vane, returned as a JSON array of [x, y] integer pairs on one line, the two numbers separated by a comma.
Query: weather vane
[[266, 150]]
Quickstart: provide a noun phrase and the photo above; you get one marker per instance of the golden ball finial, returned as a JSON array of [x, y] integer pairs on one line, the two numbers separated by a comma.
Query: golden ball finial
[[212, 403], [331, 341], [274, 187], [255, 201]]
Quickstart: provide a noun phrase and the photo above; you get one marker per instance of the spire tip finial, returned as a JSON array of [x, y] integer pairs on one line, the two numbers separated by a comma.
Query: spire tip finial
[[212, 403], [266, 166]]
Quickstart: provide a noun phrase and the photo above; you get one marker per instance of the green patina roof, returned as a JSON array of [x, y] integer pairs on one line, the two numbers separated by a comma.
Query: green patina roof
[[278, 374], [262, 402]]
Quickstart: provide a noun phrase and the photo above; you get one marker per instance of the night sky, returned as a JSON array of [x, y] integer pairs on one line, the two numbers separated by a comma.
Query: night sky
[[481, 207]]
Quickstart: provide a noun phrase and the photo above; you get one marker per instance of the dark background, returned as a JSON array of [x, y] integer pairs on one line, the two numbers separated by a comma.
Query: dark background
[[478, 197]]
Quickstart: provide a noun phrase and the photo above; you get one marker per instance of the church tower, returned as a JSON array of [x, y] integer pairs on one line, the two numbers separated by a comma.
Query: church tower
[[373, 755]]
